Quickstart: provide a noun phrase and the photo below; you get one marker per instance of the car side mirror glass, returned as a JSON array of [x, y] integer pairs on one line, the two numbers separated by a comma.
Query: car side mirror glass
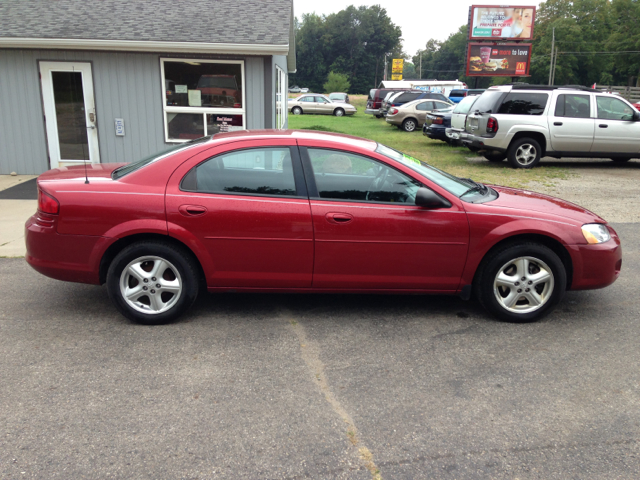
[[636, 116], [427, 198]]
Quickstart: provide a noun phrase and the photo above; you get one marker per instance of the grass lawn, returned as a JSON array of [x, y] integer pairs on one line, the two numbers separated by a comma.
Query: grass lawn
[[458, 161]]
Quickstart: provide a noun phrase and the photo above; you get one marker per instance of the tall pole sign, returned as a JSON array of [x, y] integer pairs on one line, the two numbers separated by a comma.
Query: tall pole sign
[[396, 69]]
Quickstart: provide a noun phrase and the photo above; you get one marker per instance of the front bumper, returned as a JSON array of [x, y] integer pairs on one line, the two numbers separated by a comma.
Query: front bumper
[[596, 266]]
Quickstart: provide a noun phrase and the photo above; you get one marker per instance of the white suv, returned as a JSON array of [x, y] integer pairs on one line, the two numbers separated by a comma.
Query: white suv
[[525, 122]]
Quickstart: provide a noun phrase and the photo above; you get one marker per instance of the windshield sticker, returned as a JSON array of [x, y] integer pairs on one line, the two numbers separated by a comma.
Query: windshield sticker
[[409, 158]]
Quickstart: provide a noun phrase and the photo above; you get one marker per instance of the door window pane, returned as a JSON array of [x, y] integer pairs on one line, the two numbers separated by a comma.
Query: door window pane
[[70, 115], [424, 106], [307, 99], [217, 85], [185, 126], [344, 176], [524, 103], [263, 171], [613, 109], [574, 106]]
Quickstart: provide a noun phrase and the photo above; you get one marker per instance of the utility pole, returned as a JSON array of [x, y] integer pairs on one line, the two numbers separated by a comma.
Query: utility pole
[[555, 61], [553, 42], [385, 66], [420, 65]]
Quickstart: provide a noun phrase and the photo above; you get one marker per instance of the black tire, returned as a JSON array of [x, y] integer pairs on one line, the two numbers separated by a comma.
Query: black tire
[[495, 156], [487, 288], [378, 116], [524, 153], [409, 125], [179, 271], [473, 149], [339, 112], [620, 160], [296, 111]]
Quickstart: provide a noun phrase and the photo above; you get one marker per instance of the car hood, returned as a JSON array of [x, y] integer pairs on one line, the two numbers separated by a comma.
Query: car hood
[[537, 202]]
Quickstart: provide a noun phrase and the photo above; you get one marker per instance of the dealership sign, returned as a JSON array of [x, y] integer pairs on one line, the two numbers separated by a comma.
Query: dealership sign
[[501, 22], [508, 60]]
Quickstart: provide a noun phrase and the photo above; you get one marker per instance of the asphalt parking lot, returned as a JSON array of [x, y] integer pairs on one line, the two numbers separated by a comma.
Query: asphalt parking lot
[[326, 386]]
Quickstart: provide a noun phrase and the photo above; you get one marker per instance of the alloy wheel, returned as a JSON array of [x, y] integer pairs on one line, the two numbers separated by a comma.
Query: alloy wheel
[[150, 285], [526, 154], [523, 285]]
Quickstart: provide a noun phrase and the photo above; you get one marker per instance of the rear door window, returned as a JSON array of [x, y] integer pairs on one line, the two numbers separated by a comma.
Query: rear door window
[[574, 106], [425, 106], [521, 103]]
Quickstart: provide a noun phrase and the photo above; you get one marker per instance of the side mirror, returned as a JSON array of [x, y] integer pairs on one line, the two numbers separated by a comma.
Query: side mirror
[[636, 116], [427, 198]]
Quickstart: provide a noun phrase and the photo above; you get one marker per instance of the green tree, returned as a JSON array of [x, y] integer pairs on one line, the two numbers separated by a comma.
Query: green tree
[[336, 82]]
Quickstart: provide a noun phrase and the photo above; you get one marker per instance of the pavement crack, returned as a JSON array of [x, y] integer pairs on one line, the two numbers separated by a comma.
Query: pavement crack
[[310, 352]]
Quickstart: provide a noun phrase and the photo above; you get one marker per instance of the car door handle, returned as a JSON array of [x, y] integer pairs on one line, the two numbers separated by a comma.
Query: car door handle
[[603, 125], [338, 218], [557, 124], [192, 210]]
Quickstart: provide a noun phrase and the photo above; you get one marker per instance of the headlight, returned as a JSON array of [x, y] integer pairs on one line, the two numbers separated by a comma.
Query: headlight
[[595, 233]]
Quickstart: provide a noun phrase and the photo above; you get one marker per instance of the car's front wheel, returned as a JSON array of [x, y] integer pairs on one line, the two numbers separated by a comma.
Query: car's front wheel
[[409, 125], [524, 153], [338, 112], [152, 282], [296, 111], [521, 283]]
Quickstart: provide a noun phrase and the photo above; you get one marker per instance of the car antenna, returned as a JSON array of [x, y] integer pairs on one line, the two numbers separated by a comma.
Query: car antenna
[[84, 156]]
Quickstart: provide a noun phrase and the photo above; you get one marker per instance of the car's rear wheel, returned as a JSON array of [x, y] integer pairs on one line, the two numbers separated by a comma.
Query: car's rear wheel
[[473, 149], [296, 111], [409, 125], [338, 112], [152, 282], [524, 153], [378, 116], [521, 283], [495, 156], [621, 160]]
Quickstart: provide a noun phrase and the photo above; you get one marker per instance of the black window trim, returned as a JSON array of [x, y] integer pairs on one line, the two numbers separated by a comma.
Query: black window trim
[[313, 189], [298, 174]]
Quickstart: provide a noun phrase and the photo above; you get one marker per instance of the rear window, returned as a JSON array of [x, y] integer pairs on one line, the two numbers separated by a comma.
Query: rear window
[[458, 93], [488, 102], [439, 96], [465, 105], [517, 103]]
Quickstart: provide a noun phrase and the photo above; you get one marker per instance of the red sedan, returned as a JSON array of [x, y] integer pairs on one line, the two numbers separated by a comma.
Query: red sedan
[[300, 211]]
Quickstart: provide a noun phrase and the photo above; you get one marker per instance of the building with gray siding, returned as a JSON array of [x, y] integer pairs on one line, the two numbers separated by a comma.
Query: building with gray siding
[[112, 81]]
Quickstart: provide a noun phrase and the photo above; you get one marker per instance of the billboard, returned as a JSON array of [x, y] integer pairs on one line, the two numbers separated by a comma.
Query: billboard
[[495, 22], [508, 60]]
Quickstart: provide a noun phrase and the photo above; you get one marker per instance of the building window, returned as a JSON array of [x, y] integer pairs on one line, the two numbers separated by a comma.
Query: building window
[[202, 97], [281, 98]]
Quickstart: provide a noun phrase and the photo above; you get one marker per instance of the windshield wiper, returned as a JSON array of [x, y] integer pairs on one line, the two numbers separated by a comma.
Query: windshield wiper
[[475, 186]]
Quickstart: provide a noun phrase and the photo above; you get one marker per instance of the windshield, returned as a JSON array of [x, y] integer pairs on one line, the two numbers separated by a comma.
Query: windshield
[[132, 167], [447, 181]]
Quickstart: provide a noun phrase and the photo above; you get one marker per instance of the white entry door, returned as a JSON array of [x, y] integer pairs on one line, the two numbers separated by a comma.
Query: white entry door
[[70, 113]]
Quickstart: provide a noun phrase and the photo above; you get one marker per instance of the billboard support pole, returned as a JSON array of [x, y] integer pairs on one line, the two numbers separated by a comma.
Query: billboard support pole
[[553, 42]]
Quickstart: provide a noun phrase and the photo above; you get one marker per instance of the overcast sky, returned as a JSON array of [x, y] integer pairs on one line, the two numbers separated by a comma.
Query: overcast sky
[[419, 20]]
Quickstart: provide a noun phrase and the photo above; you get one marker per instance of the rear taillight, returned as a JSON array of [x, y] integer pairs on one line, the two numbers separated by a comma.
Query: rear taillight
[[47, 204], [465, 94], [492, 125], [393, 111], [438, 121]]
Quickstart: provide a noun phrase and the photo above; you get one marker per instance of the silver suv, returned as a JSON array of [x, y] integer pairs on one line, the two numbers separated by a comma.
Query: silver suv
[[525, 122]]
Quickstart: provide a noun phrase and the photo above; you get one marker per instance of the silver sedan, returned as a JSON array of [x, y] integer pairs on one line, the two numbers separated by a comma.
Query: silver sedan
[[319, 104]]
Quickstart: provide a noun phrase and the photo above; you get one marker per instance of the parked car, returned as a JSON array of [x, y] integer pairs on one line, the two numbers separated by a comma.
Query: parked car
[[296, 211], [456, 95], [376, 96], [409, 96], [339, 97], [411, 116], [456, 132], [436, 124], [304, 90], [294, 89], [526, 122], [319, 104]]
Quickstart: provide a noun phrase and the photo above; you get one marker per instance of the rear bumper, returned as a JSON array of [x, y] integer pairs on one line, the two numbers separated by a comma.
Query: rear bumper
[[435, 133], [482, 144], [393, 120], [72, 258], [596, 266], [456, 134], [372, 111]]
